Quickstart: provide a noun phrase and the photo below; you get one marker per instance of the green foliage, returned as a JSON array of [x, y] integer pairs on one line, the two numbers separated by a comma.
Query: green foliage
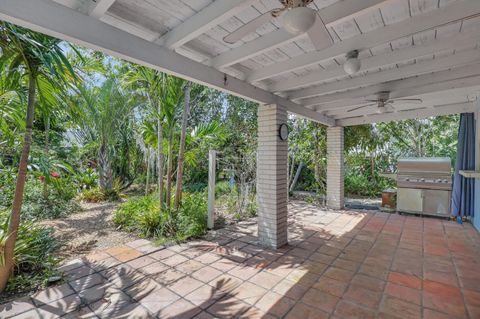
[[60, 201], [34, 259], [86, 179], [143, 216], [98, 195]]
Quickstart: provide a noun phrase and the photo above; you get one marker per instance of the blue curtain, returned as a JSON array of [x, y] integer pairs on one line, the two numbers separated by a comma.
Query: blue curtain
[[463, 193]]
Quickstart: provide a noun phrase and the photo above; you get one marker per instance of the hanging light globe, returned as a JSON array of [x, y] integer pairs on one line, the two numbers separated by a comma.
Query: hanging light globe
[[298, 20]]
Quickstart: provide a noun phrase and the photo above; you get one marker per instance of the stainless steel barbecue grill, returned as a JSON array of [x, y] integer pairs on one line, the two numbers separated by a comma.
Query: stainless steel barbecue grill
[[424, 186]]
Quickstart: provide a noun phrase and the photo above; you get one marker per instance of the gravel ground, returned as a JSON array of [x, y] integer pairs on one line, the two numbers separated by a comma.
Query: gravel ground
[[89, 230]]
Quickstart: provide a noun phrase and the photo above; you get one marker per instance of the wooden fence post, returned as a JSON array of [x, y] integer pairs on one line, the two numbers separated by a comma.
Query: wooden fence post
[[212, 155]]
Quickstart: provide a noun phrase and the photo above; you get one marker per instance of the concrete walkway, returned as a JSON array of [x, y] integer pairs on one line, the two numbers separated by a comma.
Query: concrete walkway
[[339, 264]]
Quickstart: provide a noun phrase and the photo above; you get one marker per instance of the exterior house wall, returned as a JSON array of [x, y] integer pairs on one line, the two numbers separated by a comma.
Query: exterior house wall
[[272, 192]]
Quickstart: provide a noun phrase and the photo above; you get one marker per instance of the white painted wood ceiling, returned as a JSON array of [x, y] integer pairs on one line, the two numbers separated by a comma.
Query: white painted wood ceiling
[[413, 48]]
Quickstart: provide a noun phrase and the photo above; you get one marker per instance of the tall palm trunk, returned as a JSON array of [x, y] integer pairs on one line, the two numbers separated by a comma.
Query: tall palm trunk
[[181, 153], [106, 173], [169, 167], [8, 250], [47, 151], [147, 182], [160, 153]]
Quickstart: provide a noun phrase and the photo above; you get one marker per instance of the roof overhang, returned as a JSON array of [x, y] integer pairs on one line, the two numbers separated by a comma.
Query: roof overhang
[[430, 52]]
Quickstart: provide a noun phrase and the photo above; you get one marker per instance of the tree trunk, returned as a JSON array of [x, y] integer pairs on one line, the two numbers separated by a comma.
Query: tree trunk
[[160, 154], [106, 174], [181, 153], [169, 167], [297, 175], [47, 151], [9, 248], [147, 182]]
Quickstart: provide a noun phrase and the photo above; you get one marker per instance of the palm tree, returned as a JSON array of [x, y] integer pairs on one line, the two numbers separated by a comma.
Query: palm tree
[[105, 109], [181, 152], [173, 98], [152, 84], [39, 59]]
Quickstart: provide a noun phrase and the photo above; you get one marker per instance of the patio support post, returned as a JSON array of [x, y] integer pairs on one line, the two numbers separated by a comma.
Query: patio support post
[[272, 174], [335, 167]]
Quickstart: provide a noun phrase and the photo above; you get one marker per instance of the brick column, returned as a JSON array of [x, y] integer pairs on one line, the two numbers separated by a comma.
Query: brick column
[[335, 168], [272, 186]]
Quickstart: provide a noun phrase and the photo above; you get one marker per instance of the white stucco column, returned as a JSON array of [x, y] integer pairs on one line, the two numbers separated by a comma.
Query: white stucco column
[[272, 186], [335, 167]]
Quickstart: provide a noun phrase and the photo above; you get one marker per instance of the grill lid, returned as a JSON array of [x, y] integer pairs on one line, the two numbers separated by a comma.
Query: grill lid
[[426, 173], [424, 165]]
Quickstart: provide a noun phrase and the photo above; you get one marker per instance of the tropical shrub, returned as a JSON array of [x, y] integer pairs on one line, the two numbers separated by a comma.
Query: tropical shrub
[[97, 195], [34, 260], [143, 216], [60, 201]]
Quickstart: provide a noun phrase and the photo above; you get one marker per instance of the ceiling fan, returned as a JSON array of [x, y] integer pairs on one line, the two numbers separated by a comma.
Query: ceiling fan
[[296, 18], [384, 103]]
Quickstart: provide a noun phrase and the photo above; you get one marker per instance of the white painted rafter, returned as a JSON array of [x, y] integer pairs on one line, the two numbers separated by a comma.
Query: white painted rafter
[[59, 21], [406, 87], [456, 41], [206, 19], [97, 8], [450, 13], [455, 60], [409, 114], [330, 15]]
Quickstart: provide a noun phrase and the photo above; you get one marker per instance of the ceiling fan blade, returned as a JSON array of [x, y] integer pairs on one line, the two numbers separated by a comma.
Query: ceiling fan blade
[[411, 101], [249, 27], [319, 35], [359, 107]]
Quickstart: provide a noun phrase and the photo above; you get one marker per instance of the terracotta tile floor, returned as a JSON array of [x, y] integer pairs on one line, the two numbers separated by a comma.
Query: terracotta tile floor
[[343, 264]]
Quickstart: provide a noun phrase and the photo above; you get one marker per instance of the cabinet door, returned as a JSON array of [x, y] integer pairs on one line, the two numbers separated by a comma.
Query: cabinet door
[[409, 200], [436, 202]]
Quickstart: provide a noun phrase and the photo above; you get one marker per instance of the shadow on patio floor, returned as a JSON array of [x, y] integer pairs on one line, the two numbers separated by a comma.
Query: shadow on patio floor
[[338, 264]]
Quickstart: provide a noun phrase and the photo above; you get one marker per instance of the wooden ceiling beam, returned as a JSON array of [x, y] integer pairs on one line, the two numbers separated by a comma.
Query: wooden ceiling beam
[[334, 13], [204, 20], [407, 87], [67, 24], [98, 8], [456, 41], [435, 65], [450, 13]]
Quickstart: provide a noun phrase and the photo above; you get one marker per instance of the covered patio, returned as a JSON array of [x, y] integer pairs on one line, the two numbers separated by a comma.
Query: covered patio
[[357, 63], [338, 264], [299, 260]]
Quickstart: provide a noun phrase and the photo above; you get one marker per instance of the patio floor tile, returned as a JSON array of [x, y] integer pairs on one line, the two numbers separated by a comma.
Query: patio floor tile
[[397, 307], [179, 309], [348, 310], [206, 274], [365, 297], [303, 311], [158, 299], [337, 265], [319, 299], [228, 307], [265, 280]]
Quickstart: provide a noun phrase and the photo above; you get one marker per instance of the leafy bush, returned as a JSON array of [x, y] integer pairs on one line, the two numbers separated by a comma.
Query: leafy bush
[[143, 216], [86, 179], [97, 195], [361, 185], [34, 260], [60, 200]]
